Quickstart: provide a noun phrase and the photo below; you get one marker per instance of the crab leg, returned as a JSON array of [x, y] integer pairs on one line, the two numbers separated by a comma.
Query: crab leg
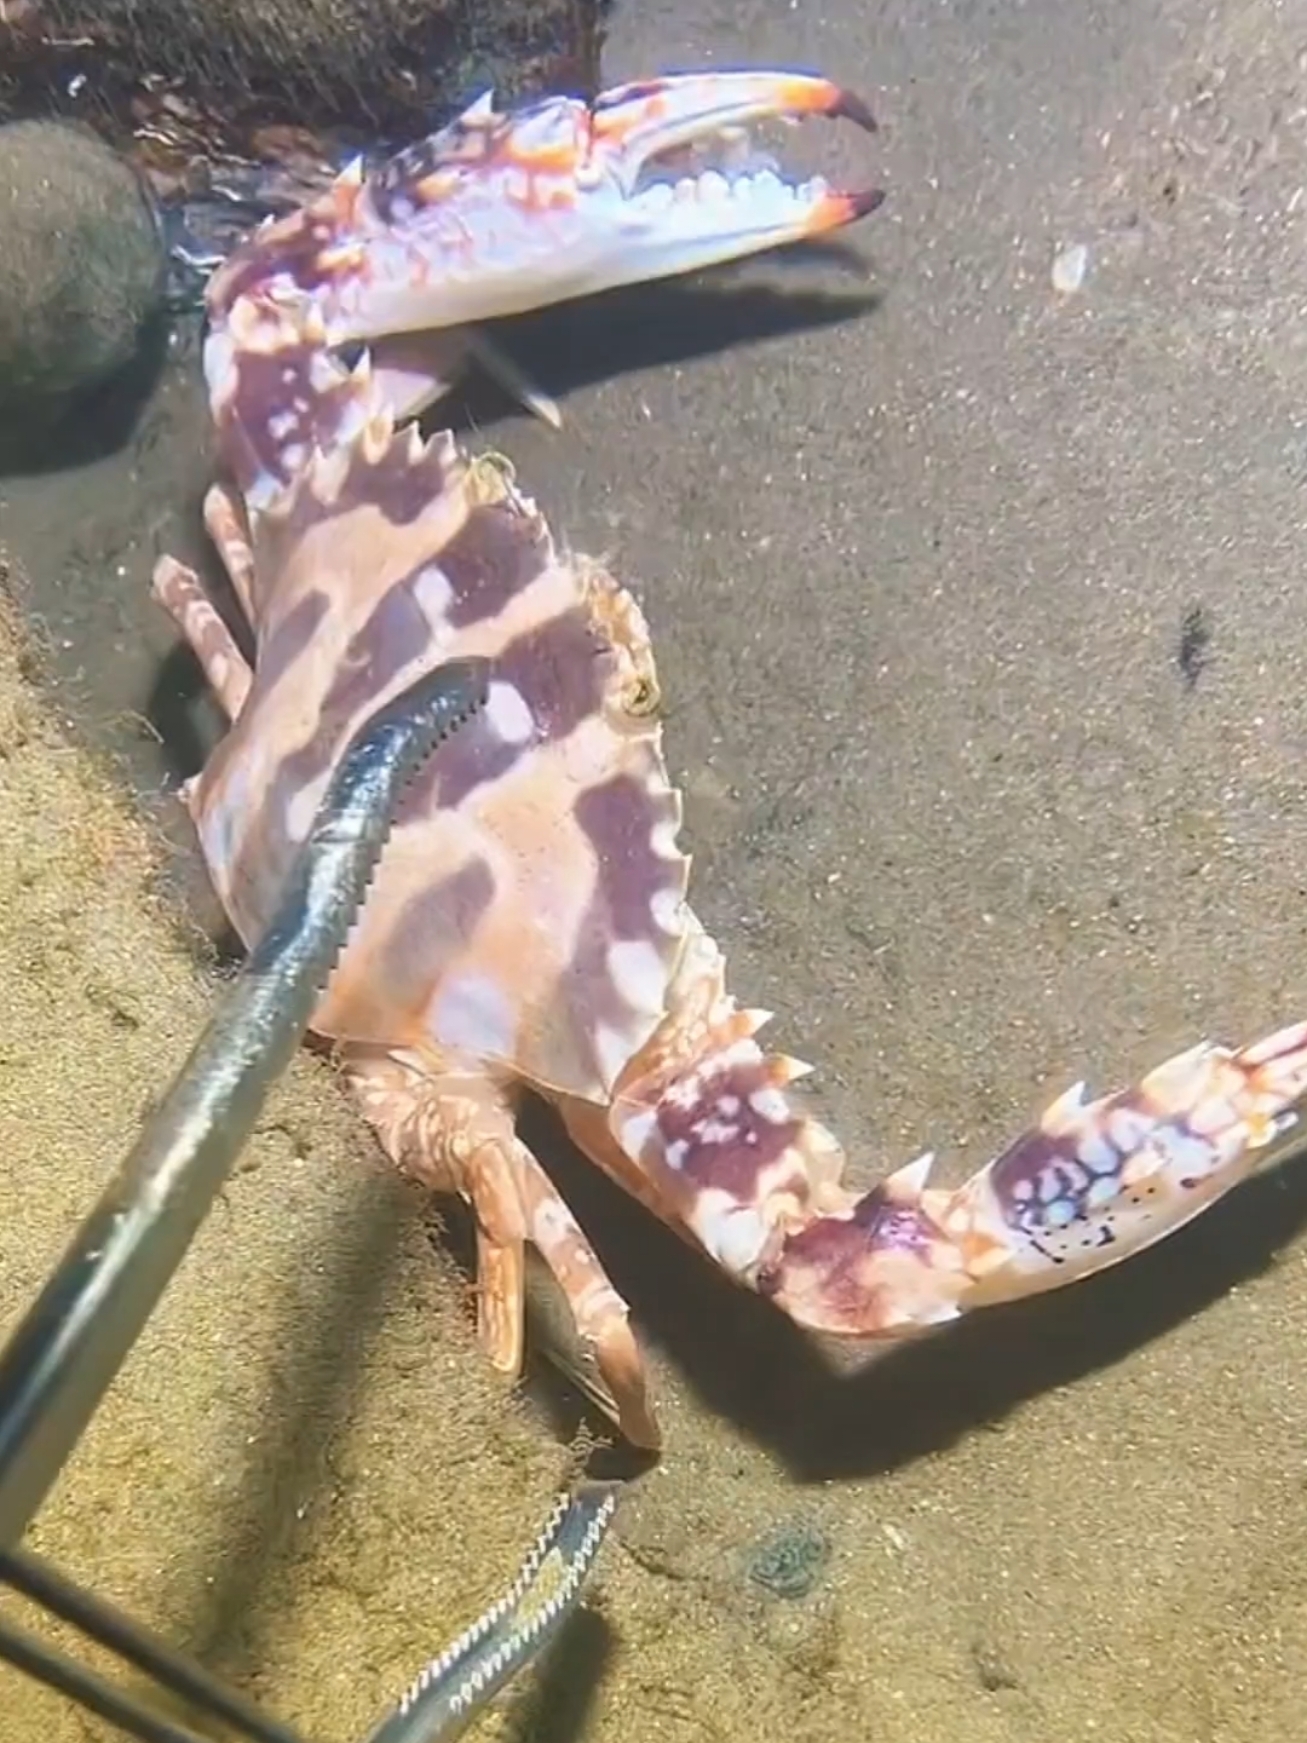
[[600, 1314], [499, 213], [224, 521], [708, 1119], [504, 212], [1089, 1185], [181, 593], [453, 1130], [1096, 1181]]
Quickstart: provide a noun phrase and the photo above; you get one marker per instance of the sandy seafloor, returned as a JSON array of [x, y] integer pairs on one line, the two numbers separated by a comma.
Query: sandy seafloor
[[920, 581]]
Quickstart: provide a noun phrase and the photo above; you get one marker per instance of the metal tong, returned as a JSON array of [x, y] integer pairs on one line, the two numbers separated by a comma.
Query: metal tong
[[72, 1342]]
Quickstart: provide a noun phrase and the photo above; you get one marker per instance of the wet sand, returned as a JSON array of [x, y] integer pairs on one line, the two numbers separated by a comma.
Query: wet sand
[[978, 613], [282, 1456]]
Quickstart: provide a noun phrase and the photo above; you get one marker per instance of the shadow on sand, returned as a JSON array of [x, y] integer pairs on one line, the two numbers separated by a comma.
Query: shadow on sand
[[598, 339], [330, 1324]]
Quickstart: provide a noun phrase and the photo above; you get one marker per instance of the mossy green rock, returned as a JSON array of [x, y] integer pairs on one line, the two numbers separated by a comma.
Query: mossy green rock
[[81, 266]]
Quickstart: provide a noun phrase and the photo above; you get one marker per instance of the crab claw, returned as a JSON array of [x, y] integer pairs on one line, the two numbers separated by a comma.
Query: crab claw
[[504, 212], [645, 120]]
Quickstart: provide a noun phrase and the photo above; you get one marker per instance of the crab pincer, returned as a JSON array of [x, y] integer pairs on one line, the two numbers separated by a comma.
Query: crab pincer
[[509, 210]]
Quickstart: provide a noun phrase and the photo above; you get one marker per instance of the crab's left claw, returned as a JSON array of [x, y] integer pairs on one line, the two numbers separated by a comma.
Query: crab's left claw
[[504, 212], [1090, 1184], [563, 199]]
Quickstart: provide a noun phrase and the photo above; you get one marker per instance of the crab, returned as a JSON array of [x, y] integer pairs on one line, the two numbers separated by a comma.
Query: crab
[[529, 930]]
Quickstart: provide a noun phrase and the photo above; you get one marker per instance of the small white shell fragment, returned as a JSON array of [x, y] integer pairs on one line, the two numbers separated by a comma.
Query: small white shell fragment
[[1069, 269]]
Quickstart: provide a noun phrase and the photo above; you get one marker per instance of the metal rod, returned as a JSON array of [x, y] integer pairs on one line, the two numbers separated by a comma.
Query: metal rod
[[63, 1674], [455, 1687], [140, 1647], [74, 1339]]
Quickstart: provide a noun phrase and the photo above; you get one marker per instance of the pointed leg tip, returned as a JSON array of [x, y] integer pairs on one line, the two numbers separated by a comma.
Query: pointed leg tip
[[864, 202], [848, 106], [838, 209], [640, 1427]]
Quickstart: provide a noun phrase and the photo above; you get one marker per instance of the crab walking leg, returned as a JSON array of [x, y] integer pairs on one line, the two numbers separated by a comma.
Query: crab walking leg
[[453, 1130], [184, 597], [601, 1316], [181, 593], [224, 522], [1092, 1183], [411, 371]]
